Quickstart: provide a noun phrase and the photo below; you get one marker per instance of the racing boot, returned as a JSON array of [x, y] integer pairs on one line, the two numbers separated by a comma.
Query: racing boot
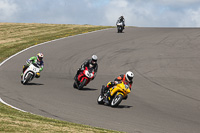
[[76, 76], [106, 97], [102, 90], [21, 77], [37, 75], [23, 71]]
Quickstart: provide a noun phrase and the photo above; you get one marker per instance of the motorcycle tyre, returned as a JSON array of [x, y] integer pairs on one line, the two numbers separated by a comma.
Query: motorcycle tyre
[[118, 101], [119, 29], [81, 85], [100, 100], [74, 85], [27, 79]]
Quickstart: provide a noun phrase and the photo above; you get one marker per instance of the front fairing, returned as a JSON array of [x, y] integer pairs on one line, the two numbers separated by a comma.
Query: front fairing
[[32, 69], [121, 87], [119, 24], [89, 72]]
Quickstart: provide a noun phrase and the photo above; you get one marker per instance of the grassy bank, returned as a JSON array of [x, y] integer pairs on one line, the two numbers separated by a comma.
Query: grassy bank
[[17, 36], [13, 38], [12, 120]]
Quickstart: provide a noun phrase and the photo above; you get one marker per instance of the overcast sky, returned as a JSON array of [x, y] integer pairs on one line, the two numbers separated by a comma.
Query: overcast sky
[[143, 13]]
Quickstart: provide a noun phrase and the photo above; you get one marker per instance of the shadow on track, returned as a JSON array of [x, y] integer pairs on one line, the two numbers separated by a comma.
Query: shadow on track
[[88, 89], [34, 84], [123, 106], [118, 107]]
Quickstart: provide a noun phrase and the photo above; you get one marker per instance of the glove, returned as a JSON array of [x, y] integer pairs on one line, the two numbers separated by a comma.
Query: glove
[[116, 82], [113, 84], [29, 62], [82, 68]]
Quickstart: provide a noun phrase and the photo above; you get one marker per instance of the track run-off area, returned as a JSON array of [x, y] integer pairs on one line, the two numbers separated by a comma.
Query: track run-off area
[[165, 95]]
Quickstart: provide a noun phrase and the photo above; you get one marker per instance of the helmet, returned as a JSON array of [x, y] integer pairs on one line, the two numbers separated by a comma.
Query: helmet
[[94, 59], [40, 56], [129, 76]]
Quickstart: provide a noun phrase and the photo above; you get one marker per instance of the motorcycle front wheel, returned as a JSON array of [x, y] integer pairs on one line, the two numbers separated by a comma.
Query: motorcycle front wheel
[[116, 100], [27, 79], [81, 85], [119, 29]]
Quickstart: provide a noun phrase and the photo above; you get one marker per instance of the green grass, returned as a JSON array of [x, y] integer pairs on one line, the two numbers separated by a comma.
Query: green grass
[[15, 37], [12, 120]]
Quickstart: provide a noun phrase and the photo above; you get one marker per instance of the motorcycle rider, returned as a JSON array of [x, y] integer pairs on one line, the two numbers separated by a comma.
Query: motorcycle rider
[[38, 59], [125, 78], [121, 19], [88, 63]]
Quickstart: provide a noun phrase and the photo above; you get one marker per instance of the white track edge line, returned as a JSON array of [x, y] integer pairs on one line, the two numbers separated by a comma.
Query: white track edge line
[[11, 106], [1, 100]]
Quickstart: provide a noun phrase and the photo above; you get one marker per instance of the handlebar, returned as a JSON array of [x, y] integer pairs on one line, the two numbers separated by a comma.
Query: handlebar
[[36, 65]]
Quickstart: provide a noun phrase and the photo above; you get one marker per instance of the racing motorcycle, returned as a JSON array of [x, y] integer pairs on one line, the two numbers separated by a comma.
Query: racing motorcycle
[[120, 27], [116, 94], [30, 73], [84, 78]]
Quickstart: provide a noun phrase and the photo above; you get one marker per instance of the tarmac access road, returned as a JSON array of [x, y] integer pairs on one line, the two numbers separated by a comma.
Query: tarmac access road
[[165, 96]]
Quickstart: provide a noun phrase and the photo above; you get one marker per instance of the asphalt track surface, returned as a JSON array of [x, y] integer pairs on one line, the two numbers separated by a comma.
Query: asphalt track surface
[[165, 96]]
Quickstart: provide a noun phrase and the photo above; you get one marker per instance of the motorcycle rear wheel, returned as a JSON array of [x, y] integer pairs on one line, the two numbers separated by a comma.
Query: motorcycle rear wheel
[[74, 85], [100, 99]]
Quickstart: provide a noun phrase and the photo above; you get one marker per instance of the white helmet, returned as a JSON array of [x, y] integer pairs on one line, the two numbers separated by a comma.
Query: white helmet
[[94, 59], [129, 76]]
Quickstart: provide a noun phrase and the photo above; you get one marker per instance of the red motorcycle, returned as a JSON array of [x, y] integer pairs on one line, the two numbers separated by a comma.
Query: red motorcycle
[[84, 78]]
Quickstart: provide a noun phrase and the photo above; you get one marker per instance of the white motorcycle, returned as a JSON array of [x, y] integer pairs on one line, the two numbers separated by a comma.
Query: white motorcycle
[[30, 73], [120, 27]]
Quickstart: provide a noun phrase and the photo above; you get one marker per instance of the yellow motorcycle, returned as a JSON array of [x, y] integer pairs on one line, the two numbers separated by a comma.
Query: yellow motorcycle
[[117, 93]]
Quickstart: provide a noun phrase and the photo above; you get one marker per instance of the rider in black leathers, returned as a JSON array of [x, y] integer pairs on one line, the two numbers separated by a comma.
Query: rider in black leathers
[[121, 19], [92, 62]]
